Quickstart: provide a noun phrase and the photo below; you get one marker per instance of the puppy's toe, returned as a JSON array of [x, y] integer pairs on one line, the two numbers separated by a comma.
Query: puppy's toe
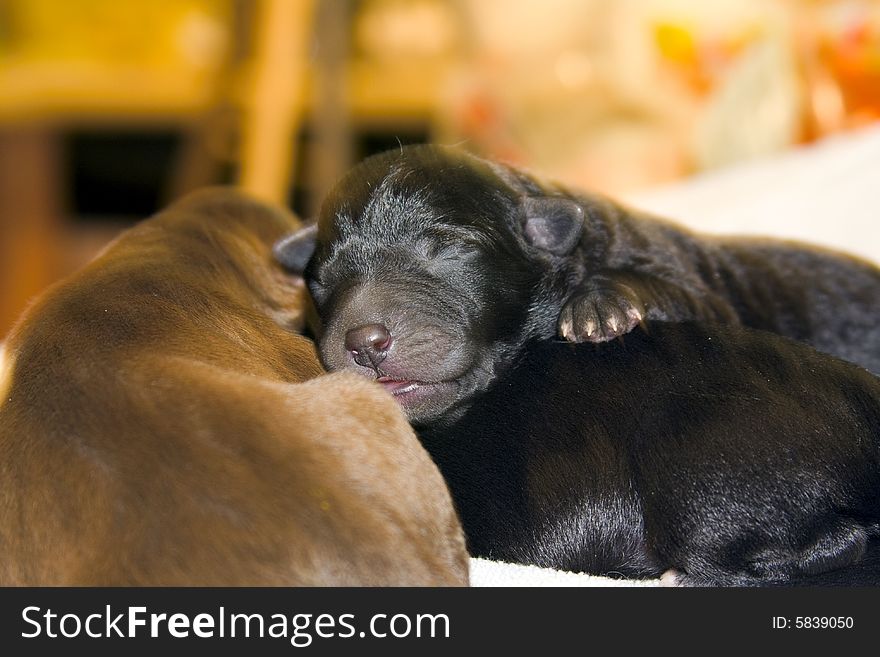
[[618, 316], [579, 321]]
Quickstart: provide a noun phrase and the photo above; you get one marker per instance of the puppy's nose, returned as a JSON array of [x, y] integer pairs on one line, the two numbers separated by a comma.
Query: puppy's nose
[[368, 344]]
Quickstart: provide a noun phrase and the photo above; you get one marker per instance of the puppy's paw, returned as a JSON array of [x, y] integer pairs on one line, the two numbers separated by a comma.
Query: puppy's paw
[[600, 315]]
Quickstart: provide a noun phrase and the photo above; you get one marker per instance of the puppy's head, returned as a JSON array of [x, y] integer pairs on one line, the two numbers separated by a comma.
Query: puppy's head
[[430, 268]]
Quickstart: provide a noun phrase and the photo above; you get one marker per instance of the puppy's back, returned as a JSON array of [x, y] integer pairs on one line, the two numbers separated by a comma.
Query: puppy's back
[[712, 449], [162, 424]]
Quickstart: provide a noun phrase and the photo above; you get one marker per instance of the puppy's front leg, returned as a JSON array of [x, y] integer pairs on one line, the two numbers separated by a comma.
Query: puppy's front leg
[[612, 303]]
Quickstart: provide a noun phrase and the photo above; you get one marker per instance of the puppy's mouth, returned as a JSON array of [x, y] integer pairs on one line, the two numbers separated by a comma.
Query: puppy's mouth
[[421, 400], [399, 387]]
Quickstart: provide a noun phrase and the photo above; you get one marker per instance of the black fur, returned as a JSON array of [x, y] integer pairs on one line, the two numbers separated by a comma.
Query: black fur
[[735, 456], [613, 267]]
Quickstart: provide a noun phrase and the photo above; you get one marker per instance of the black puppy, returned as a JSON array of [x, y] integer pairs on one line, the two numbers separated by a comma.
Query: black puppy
[[733, 456], [730, 455], [604, 268]]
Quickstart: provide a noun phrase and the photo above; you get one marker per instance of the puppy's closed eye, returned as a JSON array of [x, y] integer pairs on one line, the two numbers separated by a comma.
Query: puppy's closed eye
[[449, 249], [318, 291]]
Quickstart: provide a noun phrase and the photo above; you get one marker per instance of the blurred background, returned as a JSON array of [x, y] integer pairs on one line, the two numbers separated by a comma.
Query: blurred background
[[109, 109]]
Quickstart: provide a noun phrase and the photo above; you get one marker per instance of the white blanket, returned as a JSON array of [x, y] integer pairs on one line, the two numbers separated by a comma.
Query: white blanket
[[496, 573], [825, 194]]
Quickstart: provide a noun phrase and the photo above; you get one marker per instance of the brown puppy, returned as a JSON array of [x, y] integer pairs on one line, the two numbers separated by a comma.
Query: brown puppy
[[161, 424]]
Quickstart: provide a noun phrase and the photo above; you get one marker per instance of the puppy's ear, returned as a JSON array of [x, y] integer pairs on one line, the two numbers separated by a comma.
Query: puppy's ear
[[552, 223], [294, 251]]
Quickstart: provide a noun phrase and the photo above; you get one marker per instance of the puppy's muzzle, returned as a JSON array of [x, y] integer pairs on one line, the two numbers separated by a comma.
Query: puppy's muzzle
[[368, 344]]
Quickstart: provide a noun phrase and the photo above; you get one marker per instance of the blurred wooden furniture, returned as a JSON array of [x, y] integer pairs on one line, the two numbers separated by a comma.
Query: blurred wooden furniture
[[45, 95], [288, 64], [28, 219], [272, 97]]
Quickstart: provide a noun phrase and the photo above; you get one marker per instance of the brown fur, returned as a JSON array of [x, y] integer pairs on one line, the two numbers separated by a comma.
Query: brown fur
[[162, 424]]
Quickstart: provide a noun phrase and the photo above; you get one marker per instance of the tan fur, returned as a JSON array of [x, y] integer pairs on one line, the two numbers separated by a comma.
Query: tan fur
[[5, 373], [164, 425]]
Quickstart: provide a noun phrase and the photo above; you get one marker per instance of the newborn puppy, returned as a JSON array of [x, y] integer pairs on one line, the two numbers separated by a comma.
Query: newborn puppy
[[603, 268], [730, 455], [162, 423]]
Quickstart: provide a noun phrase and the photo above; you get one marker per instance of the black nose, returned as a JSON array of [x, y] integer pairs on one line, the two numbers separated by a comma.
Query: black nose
[[368, 344]]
